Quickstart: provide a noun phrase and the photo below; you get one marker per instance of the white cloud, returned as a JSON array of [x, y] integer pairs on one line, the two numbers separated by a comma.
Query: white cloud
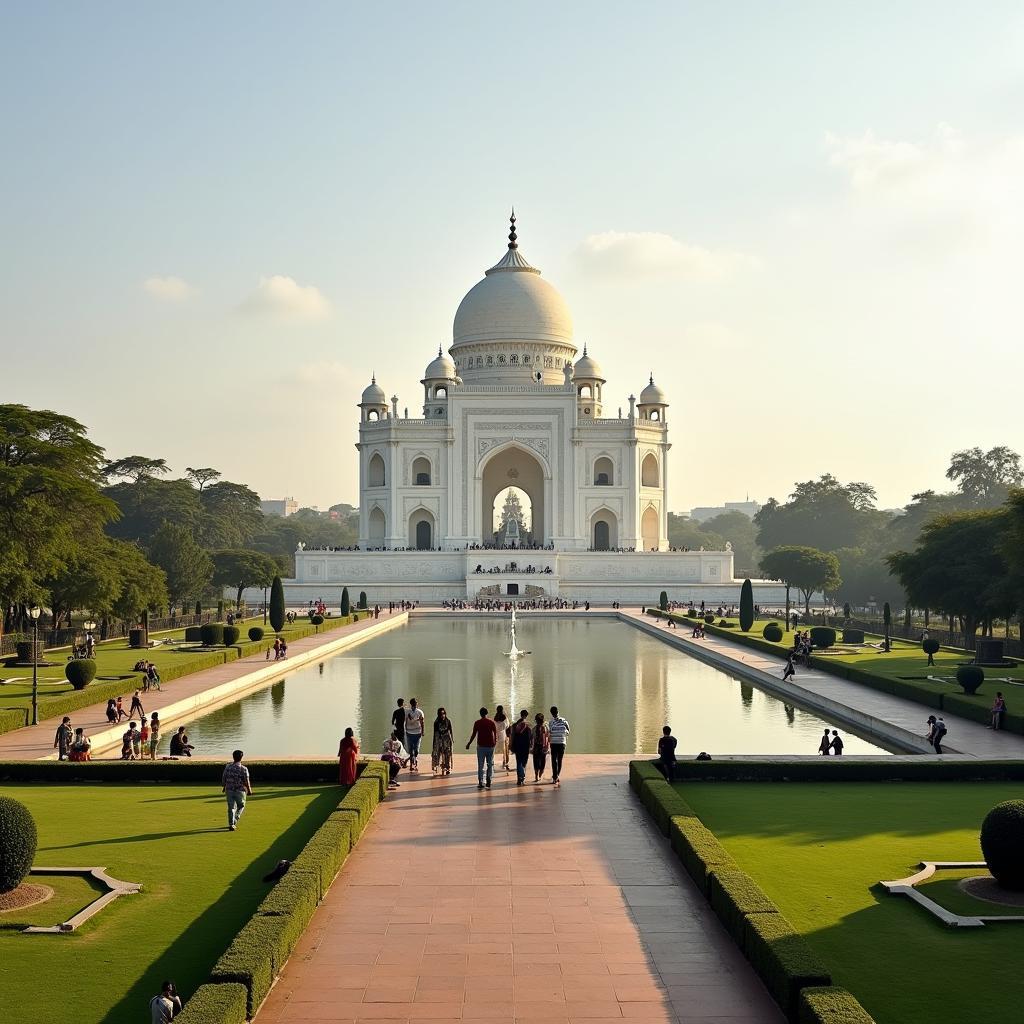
[[651, 254], [168, 288], [284, 297]]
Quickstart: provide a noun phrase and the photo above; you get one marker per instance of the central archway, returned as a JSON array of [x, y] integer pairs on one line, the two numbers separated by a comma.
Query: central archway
[[512, 466]]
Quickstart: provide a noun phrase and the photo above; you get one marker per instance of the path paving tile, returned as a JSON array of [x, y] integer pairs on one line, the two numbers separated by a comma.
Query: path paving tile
[[507, 906]]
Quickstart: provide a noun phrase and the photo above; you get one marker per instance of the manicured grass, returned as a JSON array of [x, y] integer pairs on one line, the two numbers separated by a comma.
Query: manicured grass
[[71, 893], [201, 883], [818, 851], [945, 889]]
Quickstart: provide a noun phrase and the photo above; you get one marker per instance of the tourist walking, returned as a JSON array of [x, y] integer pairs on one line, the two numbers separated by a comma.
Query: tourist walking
[[520, 743], [789, 670], [121, 713], [129, 743], [501, 724], [398, 720], [998, 711], [396, 757], [154, 734], [559, 730], [485, 733], [347, 751], [62, 739], [236, 786], [112, 711], [825, 746], [667, 753], [541, 744], [414, 727], [136, 706], [441, 748], [837, 743]]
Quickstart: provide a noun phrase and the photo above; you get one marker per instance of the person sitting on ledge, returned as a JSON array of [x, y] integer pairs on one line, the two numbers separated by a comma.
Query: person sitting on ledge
[[666, 762]]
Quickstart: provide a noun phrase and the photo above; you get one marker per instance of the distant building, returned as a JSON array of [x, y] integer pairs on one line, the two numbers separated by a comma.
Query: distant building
[[279, 506], [705, 512]]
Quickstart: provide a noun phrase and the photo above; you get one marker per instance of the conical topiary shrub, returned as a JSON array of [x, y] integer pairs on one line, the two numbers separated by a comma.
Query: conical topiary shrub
[[746, 606], [346, 607], [277, 605], [18, 839]]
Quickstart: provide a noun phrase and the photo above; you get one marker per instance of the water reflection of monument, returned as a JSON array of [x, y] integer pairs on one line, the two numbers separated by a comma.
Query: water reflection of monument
[[650, 700]]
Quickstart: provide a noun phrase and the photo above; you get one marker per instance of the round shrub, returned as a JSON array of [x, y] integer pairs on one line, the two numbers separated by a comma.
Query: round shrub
[[212, 634], [18, 840], [772, 632], [317, 620], [970, 677], [725, 624], [691, 613], [1002, 843], [231, 635], [80, 672], [823, 637], [853, 636], [255, 633], [193, 634], [930, 646], [709, 618]]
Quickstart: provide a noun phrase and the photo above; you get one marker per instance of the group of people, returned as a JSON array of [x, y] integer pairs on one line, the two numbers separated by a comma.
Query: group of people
[[520, 740], [150, 675], [280, 649]]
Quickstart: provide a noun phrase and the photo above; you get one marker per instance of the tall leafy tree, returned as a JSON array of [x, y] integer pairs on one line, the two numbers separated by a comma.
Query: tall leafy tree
[[805, 568], [232, 514], [202, 476], [241, 568], [739, 530], [959, 568], [147, 503], [135, 468], [49, 499], [188, 567], [143, 586], [985, 477]]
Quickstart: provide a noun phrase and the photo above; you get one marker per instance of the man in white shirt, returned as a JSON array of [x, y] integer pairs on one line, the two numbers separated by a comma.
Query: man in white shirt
[[414, 725], [165, 1005], [559, 729]]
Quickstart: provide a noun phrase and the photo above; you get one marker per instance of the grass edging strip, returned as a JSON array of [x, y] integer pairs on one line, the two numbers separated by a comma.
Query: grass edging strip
[[778, 953]]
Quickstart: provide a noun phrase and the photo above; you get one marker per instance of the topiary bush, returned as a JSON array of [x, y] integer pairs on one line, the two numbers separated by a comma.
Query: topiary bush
[[930, 646], [772, 632], [663, 601], [231, 635], [80, 672], [691, 613], [193, 634], [362, 598], [317, 620], [212, 634], [277, 609], [746, 606], [346, 605], [970, 677], [18, 839], [709, 618], [255, 633], [823, 637], [1002, 843], [853, 636]]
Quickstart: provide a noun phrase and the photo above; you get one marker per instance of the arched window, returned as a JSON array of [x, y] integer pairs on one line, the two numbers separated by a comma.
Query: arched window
[[585, 391], [604, 473], [655, 416], [440, 391], [373, 415], [421, 472], [650, 476], [375, 471], [378, 527]]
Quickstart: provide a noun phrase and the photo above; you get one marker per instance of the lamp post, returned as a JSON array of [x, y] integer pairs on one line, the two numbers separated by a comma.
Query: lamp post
[[34, 613]]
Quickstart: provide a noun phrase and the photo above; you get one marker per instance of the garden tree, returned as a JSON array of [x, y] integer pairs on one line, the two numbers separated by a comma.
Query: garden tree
[[822, 513], [746, 606], [143, 586], [805, 568], [278, 536], [740, 531], [135, 468], [241, 568], [684, 532], [49, 499], [959, 568], [202, 476], [985, 478], [89, 578], [231, 516], [1012, 547], [277, 605], [147, 503], [188, 567]]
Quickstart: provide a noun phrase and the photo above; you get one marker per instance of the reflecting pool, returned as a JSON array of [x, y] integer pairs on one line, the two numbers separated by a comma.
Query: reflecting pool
[[616, 686]]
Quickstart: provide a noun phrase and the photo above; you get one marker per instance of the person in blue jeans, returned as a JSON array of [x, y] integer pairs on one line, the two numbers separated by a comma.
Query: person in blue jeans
[[520, 742], [485, 732], [236, 785]]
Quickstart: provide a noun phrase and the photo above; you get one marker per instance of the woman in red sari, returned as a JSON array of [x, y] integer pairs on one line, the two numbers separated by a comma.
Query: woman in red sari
[[347, 751]]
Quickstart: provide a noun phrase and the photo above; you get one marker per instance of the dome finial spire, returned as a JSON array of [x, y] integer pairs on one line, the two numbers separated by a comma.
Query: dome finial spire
[[512, 244]]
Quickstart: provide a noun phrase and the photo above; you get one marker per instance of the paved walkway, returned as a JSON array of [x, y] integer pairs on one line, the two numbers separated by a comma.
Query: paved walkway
[[965, 736], [516, 904], [34, 742]]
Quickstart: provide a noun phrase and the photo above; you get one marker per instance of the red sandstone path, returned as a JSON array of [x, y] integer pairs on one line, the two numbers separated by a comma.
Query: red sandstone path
[[516, 904]]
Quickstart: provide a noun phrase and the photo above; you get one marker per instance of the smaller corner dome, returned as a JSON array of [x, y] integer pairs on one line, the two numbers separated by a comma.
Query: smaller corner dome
[[373, 394], [587, 367], [652, 394], [440, 368]]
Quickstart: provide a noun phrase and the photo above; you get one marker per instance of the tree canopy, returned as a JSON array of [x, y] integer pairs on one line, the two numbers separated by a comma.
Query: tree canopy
[[241, 568], [188, 567], [805, 568], [985, 477]]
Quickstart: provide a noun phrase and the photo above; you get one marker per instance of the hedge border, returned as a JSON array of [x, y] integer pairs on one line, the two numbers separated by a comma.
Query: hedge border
[[974, 707], [183, 771], [225, 1003], [792, 972], [260, 950]]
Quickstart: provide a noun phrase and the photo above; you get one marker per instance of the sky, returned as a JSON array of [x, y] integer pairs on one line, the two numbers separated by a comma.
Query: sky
[[805, 219]]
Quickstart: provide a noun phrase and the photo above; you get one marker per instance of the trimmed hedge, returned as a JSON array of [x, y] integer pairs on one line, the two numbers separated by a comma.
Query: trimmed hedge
[[18, 841], [733, 896], [328, 848], [183, 772], [664, 803], [231, 635], [1002, 843], [970, 677], [830, 1004], [698, 849], [823, 637], [358, 805], [216, 1004], [193, 634], [249, 960], [640, 772], [292, 900], [853, 636], [212, 634], [784, 961]]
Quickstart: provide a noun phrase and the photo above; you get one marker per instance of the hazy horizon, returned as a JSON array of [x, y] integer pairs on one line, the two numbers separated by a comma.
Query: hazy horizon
[[806, 222]]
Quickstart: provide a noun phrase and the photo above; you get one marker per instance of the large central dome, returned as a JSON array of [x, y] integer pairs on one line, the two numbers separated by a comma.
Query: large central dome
[[512, 326]]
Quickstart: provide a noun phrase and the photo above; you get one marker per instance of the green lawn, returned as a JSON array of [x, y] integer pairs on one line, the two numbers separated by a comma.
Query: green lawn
[[819, 851], [200, 884]]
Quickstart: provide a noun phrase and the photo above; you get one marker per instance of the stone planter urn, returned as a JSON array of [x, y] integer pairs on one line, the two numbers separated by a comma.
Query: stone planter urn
[[25, 652], [136, 638]]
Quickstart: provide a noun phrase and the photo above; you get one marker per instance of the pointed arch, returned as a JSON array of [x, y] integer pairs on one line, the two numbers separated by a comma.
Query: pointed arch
[[650, 471], [375, 472], [422, 529], [650, 528], [378, 526], [604, 529]]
